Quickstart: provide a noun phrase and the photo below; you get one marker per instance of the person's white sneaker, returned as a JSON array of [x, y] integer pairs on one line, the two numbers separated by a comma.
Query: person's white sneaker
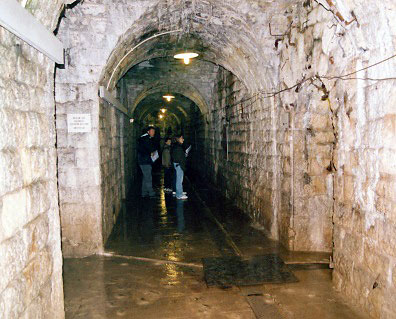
[[182, 197]]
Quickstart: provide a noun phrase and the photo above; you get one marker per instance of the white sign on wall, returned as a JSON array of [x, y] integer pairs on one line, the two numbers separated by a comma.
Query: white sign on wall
[[78, 123]]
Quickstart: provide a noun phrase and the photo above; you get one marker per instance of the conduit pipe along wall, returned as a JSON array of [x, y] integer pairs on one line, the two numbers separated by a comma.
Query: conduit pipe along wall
[[134, 48], [106, 95], [20, 22]]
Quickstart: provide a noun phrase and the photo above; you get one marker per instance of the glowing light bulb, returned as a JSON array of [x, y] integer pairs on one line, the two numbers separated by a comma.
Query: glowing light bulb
[[186, 56], [161, 116], [168, 97], [163, 110]]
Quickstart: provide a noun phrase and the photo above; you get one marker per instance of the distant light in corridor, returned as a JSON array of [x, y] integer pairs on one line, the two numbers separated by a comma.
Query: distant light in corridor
[[163, 110], [161, 116], [168, 97]]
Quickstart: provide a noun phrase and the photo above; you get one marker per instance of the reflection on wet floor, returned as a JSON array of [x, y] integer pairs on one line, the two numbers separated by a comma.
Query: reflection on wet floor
[[166, 229]]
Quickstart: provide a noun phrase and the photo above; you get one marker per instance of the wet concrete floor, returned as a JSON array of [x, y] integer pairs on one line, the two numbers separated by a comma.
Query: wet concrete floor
[[153, 269]]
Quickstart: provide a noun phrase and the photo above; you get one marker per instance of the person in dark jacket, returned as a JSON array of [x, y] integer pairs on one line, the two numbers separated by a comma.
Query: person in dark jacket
[[179, 163], [167, 164], [145, 150]]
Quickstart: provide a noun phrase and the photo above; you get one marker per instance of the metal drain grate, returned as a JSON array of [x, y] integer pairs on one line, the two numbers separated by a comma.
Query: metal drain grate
[[235, 271]]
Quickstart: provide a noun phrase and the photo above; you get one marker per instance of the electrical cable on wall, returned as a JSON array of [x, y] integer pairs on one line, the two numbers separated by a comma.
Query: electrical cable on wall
[[261, 95]]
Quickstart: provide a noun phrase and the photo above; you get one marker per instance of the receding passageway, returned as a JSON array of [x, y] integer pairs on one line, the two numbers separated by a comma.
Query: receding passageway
[[152, 267], [289, 110]]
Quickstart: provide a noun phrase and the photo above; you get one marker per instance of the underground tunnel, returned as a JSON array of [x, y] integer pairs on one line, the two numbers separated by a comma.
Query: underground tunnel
[[289, 109]]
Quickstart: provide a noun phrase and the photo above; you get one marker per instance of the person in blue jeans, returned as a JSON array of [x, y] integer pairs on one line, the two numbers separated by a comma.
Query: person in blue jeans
[[145, 150], [168, 166], [179, 163]]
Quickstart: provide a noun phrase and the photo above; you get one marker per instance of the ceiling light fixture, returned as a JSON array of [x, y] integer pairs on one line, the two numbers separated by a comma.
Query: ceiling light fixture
[[186, 56], [163, 110]]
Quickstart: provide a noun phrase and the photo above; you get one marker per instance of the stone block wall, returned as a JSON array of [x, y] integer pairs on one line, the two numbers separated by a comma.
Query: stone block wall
[[30, 251], [78, 171], [239, 148], [128, 159], [345, 151], [89, 193], [130, 155], [306, 140], [112, 151], [76, 92]]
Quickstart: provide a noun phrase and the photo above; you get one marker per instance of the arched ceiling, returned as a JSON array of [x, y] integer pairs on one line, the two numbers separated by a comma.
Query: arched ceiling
[[153, 103], [160, 76], [230, 33], [180, 89]]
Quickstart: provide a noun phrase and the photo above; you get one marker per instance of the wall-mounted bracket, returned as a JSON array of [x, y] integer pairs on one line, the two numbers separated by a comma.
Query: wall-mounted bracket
[[108, 97], [25, 26]]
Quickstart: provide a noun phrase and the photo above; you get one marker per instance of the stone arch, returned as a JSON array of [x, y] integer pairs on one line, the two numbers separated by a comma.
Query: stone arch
[[186, 89], [233, 44], [178, 111]]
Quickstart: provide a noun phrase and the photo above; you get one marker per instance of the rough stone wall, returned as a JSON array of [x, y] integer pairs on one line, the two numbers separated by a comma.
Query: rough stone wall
[[344, 130], [111, 133], [333, 161], [78, 170], [30, 251], [305, 142], [89, 31], [78, 153], [239, 152], [271, 169]]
